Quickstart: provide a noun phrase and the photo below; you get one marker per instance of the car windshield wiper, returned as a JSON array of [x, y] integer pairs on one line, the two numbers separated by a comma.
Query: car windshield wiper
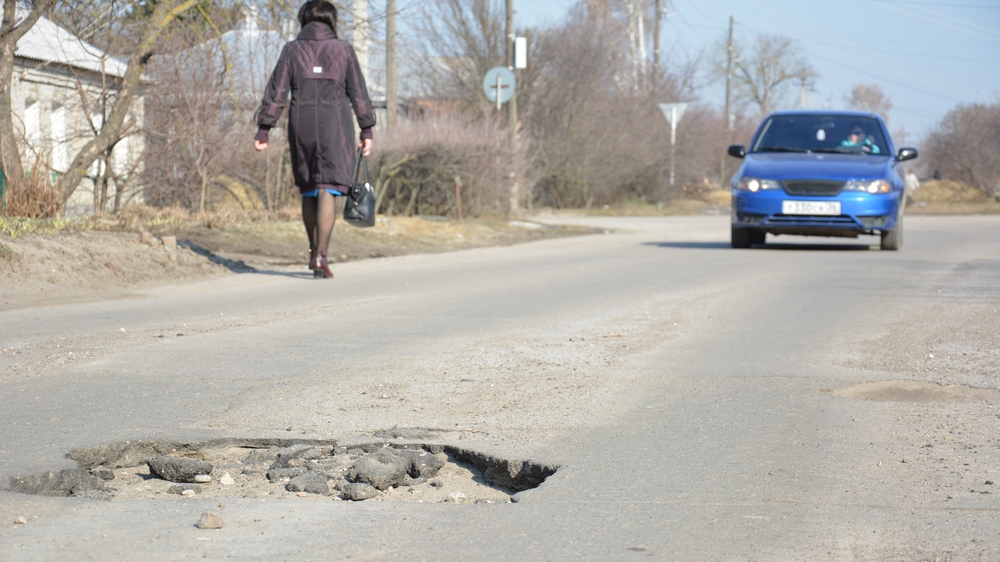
[[780, 149]]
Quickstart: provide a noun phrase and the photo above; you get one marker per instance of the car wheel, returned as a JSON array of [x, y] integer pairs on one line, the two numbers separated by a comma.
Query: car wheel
[[892, 240], [740, 237], [757, 236]]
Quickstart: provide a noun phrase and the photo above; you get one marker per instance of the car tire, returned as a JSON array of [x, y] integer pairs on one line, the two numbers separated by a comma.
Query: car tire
[[757, 236], [892, 240], [739, 237]]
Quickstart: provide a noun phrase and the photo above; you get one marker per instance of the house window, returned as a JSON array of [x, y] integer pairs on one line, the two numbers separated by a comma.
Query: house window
[[60, 142], [33, 125]]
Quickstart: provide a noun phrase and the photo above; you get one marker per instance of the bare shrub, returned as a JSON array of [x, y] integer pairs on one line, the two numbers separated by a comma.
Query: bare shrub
[[963, 147], [36, 197], [577, 113], [446, 166], [201, 122], [599, 139]]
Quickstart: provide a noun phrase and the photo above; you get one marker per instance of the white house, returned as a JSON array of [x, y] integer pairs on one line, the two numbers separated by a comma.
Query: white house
[[62, 88]]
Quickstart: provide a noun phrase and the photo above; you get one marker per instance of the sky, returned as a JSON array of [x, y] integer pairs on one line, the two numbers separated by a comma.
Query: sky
[[928, 56]]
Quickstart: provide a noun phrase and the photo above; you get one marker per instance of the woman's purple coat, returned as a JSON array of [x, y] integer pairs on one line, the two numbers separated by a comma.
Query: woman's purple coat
[[325, 81]]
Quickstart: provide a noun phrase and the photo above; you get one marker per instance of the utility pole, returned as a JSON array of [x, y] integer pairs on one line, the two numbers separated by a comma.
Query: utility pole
[[512, 104], [509, 60], [656, 40], [391, 87], [729, 74], [802, 93], [727, 117]]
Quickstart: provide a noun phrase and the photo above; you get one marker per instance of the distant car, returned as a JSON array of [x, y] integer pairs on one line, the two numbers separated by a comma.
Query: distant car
[[819, 173]]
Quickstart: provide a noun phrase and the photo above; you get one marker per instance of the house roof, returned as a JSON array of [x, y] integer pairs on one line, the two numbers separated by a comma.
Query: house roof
[[47, 42]]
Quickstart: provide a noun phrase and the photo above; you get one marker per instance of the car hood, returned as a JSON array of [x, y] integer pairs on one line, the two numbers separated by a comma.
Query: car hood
[[840, 167]]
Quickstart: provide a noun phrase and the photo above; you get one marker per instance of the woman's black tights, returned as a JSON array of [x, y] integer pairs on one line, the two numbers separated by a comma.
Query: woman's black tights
[[318, 214]]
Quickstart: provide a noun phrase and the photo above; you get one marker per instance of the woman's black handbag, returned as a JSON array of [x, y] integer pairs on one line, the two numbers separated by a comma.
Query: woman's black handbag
[[359, 209]]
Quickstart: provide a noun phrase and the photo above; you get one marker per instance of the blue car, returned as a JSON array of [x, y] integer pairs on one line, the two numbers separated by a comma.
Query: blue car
[[819, 173]]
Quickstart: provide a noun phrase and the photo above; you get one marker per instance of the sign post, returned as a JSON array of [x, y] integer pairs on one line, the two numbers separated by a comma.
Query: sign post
[[673, 113]]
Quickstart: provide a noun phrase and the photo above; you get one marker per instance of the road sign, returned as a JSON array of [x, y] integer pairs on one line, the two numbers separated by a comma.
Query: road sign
[[673, 112], [499, 84]]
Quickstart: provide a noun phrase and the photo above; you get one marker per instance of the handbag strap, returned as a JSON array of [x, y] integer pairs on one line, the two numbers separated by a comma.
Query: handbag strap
[[359, 161]]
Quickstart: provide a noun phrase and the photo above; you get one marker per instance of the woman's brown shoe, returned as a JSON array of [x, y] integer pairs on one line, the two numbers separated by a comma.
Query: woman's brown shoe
[[320, 268]]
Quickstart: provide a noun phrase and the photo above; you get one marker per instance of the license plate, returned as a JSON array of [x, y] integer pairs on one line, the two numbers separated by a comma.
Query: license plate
[[810, 207]]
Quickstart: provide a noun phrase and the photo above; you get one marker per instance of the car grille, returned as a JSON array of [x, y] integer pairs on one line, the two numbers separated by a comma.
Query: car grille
[[810, 220], [812, 187]]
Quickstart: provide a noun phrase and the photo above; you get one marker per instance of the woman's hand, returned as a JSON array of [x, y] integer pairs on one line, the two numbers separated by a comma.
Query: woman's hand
[[259, 146], [366, 145]]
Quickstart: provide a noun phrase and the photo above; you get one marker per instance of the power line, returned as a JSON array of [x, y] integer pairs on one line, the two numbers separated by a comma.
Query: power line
[[883, 78], [920, 71], [939, 22], [975, 6], [921, 55]]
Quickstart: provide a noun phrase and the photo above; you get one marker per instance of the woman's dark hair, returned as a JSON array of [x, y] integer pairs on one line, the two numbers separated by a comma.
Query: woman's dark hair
[[321, 11]]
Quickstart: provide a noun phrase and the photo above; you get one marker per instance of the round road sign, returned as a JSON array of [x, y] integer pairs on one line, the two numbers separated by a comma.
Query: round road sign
[[499, 79]]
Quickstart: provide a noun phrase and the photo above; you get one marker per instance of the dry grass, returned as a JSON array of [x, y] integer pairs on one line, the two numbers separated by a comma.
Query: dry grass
[[35, 197], [951, 198]]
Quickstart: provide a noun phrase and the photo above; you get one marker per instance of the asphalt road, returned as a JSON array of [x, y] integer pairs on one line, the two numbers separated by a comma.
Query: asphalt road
[[697, 399]]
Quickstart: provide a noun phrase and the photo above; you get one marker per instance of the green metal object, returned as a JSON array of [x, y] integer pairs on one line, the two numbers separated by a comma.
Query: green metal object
[[3, 191]]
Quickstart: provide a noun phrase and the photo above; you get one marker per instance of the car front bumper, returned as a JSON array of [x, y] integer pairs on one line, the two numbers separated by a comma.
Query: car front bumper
[[860, 213]]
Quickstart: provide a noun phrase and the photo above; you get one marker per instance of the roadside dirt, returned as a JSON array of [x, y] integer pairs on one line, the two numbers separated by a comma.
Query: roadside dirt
[[80, 265]]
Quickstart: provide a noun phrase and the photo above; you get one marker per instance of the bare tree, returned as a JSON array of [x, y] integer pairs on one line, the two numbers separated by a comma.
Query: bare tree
[[635, 18], [869, 97], [964, 146], [461, 41], [114, 125], [202, 118], [597, 138], [763, 72], [12, 29]]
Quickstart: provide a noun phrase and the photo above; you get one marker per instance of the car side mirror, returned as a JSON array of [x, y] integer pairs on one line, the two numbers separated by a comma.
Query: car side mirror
[[738, 151], [906, 154]]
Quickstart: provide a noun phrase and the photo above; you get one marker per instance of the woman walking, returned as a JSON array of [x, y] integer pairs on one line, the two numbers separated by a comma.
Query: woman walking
[[324, 79]]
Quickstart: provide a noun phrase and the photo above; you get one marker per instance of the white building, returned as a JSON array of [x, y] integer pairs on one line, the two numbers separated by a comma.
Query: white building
[[62, 88]]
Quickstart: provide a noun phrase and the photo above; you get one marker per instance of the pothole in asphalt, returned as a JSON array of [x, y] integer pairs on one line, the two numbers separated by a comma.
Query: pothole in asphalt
[[916, 391], [289, 468]]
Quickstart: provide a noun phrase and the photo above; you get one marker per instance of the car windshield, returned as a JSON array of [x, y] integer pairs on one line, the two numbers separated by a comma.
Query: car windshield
[[821, 133]]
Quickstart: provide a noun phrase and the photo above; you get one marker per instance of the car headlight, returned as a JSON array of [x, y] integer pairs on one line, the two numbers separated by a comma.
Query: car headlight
[[870, 186], [756, 184]]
